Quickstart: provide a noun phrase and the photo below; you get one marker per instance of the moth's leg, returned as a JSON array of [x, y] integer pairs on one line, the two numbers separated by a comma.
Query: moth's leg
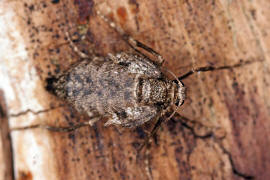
[[94, 117], [92, 121], [158, 119], [212, 68], [113, 120], [143, 159], [69, 38], [59, 129], [135, 44], [157, 126], [51, 128], [147, 162], [75, 48], [190, 124]]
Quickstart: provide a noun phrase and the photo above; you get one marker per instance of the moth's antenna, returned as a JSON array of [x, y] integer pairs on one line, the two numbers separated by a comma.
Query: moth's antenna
[[133, 43], [212, 68]]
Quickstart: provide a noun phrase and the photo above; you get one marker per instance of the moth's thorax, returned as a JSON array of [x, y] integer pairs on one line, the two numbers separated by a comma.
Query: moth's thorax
[[154, 91]]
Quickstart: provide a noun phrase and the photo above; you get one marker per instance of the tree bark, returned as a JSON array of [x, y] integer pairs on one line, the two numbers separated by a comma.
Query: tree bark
[[221, 131]]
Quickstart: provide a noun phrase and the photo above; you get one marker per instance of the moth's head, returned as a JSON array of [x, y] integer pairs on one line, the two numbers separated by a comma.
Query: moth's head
[[179, 93]]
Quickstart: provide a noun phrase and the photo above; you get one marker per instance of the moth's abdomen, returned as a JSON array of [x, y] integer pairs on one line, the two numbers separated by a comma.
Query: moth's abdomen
[[56, 86], [103, 87]]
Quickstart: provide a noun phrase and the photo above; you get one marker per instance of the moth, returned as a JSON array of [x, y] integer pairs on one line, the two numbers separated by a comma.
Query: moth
[[127, 89]]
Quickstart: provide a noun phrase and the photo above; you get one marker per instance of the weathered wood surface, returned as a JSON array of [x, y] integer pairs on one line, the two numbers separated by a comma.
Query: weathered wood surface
[[5, 143], [228, 137]]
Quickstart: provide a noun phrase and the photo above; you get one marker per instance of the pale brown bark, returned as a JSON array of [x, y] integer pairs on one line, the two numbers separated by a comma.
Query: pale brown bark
[[225, 135], [6, 171]]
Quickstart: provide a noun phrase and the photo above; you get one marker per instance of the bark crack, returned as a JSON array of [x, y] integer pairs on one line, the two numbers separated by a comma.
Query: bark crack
[[191, 125], [235, 170], [33, 111], [46, 126], [211, 134]]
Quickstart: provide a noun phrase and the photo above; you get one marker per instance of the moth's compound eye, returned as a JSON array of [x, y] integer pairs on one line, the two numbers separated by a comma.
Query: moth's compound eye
[[177, 102]]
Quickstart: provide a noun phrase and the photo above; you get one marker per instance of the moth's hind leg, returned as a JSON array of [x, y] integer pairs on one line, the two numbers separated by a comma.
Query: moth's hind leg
[[73, 38], [75, 48], [52, 128], [135, 44], [159, 119], [157, 126], [92, 120]]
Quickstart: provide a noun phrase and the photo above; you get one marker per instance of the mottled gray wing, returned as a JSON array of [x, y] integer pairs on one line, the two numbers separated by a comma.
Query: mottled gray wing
[[137, 64], [133, 116]]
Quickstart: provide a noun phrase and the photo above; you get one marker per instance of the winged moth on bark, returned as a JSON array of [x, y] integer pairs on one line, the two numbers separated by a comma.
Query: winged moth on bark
[[126, 88]]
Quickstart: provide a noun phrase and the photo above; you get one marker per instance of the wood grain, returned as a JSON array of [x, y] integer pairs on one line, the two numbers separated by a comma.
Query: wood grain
[[5, 142], [222, 129]]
